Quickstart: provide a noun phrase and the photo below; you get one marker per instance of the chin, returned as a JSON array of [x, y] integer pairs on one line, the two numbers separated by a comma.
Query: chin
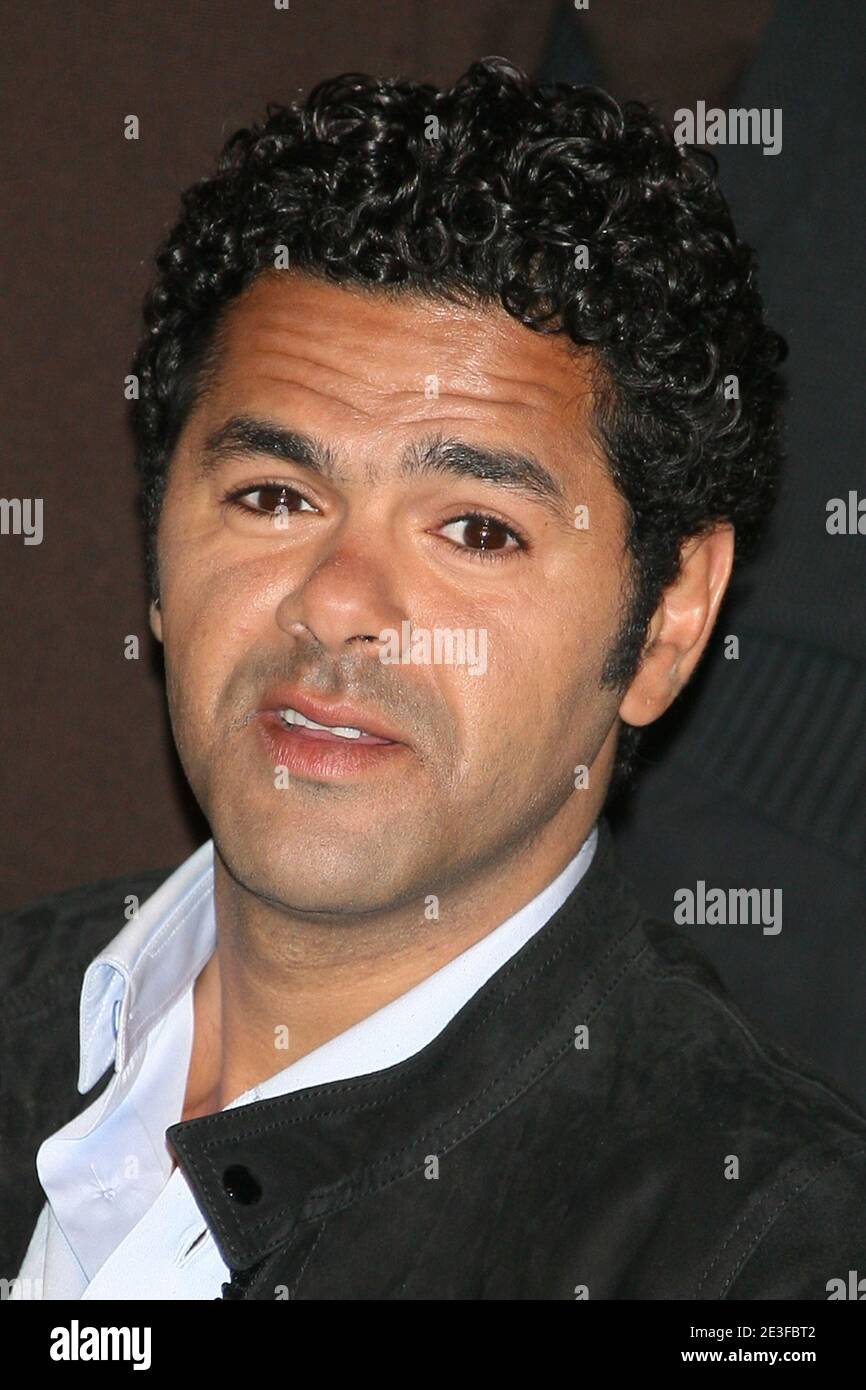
[[302, 876]]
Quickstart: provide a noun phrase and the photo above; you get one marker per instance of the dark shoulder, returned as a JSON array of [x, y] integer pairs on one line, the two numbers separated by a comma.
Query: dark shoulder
[[723, 1038], [71, 925], [741, 1106]]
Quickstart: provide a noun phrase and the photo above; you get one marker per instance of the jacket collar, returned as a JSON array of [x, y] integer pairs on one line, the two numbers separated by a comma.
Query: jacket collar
[[260, 1171]]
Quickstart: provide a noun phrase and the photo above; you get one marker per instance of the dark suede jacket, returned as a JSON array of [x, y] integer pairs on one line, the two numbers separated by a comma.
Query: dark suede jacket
[[599, 1120]]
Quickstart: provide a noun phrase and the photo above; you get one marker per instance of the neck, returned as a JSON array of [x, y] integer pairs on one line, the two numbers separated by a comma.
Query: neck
[[279, 984]]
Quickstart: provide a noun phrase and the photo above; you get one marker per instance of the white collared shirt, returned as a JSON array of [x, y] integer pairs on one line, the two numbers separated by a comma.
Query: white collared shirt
[[117, 1222]]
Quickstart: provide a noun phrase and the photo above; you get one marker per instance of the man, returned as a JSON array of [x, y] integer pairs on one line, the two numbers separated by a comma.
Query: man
[[451, 408]]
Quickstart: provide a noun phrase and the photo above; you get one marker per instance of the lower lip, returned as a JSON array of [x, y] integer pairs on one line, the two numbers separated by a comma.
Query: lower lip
[[313, 753]]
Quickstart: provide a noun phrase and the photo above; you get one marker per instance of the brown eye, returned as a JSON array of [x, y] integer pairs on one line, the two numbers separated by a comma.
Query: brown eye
[[273, 497], [484, 535]]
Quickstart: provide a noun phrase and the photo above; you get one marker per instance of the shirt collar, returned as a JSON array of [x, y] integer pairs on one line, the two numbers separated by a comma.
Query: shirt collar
[[145, 969]]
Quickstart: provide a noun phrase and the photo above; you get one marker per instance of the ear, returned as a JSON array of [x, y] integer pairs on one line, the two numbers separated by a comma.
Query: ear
[[156, 621], [681, 625]]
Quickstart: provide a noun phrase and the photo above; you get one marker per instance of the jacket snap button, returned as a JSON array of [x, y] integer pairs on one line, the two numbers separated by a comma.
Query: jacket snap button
[[241, 1186]]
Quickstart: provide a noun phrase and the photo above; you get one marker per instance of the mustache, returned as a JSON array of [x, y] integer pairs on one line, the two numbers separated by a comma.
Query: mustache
[[353, 678]]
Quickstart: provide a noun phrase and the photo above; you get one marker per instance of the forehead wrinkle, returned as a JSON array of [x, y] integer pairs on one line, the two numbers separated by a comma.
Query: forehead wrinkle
[[469, 360], [525, 385], [459, 361], [388, 392], [408, 393], [313, 390], [316, 363]]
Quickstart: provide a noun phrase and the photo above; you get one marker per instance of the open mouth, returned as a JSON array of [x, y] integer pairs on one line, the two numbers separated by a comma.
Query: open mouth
[[324, 752], [303, 727]]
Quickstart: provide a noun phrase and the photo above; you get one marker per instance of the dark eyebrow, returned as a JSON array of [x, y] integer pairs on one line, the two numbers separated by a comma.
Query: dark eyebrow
[[242, 436], [519, 472]]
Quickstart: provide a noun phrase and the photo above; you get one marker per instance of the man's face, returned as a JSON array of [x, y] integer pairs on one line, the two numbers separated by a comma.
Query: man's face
[[291, 590]]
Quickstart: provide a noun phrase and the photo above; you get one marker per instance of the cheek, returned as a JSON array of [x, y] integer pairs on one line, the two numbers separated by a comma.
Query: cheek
[[212, 621], [557, 660], [540, 690]]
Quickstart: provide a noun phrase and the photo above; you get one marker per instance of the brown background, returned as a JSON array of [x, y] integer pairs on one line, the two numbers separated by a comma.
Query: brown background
[[91, 787]]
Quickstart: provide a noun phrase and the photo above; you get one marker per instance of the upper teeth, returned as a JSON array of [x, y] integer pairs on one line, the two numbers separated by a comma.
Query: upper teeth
[[293, 716]]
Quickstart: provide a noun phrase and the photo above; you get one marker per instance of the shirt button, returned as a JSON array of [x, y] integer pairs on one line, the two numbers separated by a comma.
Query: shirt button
[[115, 1016], [241, 1186]]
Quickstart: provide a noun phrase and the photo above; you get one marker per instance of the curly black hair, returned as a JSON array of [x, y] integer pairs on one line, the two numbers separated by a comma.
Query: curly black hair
[[573, 213]]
